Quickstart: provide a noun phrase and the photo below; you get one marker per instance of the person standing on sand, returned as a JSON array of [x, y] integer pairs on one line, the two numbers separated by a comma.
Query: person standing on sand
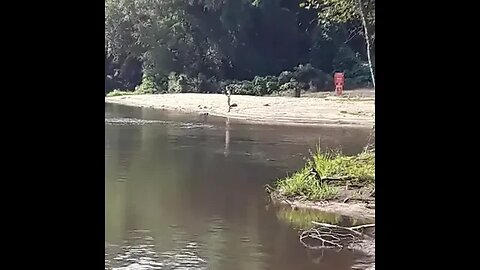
[[228, 93]]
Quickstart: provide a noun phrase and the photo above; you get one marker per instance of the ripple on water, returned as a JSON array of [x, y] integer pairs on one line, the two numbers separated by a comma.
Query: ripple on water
[[140, 122], [138, 252], [131, 121]]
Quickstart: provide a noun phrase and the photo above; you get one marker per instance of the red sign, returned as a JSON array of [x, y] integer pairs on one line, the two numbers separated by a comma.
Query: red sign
[[339, 79]]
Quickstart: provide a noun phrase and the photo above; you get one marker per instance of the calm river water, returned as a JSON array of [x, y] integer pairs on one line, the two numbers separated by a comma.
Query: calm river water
[[186, 192]]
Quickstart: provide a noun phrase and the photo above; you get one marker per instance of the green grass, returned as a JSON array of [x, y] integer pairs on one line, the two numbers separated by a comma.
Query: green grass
[[138, 91], [302, 183], [329, 165], [117, 92], [360, 167]]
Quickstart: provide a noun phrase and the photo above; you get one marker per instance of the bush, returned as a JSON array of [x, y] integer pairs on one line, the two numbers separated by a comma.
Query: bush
[[272, 86], [357, 72], [358, 76], [198, 84], [148, 86], [259, 86], [242, 88], [214, 86], [285, 77], [299, 79], [179, 83], [303, 77], [306, 73], [291, 85]]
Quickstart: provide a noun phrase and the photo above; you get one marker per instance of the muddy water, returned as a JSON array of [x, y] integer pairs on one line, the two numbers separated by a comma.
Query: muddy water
[[186, 192]]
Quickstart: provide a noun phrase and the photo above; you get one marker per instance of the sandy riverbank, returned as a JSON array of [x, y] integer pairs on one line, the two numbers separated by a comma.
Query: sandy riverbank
[[327, 110]]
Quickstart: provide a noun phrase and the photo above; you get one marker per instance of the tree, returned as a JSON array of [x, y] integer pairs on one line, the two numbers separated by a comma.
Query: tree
[[222, 40], [344, 11]]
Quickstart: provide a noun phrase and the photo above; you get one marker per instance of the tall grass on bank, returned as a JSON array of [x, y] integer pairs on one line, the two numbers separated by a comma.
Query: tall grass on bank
[[335, 165], [309, 182]]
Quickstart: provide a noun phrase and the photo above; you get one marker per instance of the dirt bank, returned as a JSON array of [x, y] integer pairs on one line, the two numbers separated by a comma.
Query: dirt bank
[[350, 110], [355, 202], [354, 210]]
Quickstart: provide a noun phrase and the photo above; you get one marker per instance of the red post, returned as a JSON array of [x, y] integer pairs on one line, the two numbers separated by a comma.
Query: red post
[[339, 79]]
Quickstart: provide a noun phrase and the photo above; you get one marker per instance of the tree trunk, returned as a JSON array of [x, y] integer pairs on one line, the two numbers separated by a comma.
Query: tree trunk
[[367, 39]]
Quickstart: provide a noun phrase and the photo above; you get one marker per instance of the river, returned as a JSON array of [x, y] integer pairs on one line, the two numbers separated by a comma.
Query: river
[[185, 191]]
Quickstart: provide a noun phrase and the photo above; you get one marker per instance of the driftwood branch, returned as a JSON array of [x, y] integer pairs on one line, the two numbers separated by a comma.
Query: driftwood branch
[[333, 236], [352, 229]]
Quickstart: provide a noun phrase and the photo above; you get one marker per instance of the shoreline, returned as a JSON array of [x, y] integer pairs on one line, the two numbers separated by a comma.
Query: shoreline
[[352, 210], [304, 111], [347, 187]]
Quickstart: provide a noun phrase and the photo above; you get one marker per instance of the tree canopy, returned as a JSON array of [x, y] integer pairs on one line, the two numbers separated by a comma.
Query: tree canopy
[[164, 42]]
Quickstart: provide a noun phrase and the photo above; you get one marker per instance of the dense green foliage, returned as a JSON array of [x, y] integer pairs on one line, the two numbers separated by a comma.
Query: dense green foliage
[[256, 47]]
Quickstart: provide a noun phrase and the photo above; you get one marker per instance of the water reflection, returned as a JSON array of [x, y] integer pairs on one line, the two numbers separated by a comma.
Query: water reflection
[[361, 252], [139, 252], [302, 219], [173, 200], [227, 137]]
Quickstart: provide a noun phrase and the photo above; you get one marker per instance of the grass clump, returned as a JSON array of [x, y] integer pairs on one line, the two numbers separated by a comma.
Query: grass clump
[[138, 91], [148, 86], [335, 165], [116, 93], [303, 183], [310, 181]]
